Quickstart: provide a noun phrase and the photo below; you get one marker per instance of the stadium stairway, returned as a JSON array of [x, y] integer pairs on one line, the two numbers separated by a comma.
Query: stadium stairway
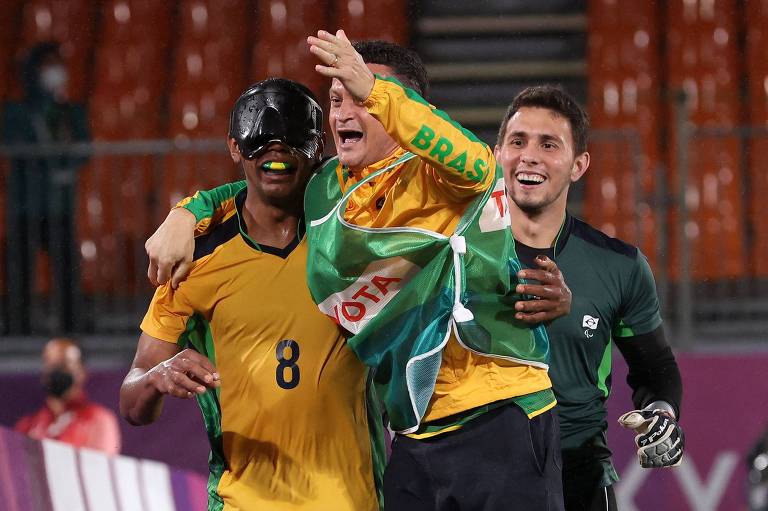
[[499, 47]]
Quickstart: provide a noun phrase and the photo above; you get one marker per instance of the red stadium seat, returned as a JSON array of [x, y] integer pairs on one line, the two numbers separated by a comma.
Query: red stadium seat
[[184, 174], [624, 94], [210, 67], [210, 71], [757, 80], [703, 59], [115, 204], [373, 19], [136, 21], [206, 20], [281, 42], [202, 112], [129, 85], [129, 69], [71, 23]]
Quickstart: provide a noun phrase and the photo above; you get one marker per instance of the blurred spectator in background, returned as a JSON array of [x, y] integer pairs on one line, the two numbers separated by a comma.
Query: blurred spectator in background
[[757, 466], [41, 190], [67, 415]]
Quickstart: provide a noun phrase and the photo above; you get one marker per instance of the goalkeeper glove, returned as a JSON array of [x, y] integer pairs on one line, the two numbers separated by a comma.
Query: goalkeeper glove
[[660, 441]]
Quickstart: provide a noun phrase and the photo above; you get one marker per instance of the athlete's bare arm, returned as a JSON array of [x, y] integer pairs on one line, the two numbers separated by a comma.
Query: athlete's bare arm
[[160, 369]]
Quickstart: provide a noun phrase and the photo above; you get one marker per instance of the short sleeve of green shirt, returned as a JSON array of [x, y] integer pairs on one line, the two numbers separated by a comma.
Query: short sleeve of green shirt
[[639, 313]]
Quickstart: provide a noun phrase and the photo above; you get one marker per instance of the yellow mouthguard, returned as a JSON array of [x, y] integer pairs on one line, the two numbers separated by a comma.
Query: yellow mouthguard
[[276, 165]]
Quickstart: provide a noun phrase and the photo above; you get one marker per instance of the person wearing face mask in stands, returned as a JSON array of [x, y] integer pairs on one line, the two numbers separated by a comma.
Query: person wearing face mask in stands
[[40, 193], [68, 415]]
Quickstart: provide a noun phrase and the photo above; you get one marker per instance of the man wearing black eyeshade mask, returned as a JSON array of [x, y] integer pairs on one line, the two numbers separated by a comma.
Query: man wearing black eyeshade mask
[[68, 415], [285, 402]]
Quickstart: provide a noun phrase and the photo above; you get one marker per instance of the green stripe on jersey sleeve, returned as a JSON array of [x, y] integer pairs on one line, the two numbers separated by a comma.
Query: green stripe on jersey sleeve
[[205, 202], [198, 337], [376, 434]]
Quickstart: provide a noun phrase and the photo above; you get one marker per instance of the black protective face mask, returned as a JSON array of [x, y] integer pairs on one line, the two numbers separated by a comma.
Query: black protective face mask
[[57, 382], [276, 112]]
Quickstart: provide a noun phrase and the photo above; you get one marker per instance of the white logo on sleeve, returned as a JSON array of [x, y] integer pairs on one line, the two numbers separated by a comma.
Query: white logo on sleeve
[[589, 323]]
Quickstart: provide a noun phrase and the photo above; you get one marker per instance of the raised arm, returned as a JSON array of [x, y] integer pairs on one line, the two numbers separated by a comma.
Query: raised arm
[[170, 249], [464, 165]]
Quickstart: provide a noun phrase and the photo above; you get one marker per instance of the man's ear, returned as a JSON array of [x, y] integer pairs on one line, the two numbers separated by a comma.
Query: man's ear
[[496, 152], [580, 166], [234, 152]]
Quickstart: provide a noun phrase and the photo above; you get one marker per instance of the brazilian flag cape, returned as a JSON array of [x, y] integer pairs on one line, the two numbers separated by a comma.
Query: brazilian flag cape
[[401, 291]]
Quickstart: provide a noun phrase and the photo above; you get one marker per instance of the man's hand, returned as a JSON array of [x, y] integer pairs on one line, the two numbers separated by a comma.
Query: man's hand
[[185, 375], [340, 60], [660, 440], [171, 248], [553, 297]]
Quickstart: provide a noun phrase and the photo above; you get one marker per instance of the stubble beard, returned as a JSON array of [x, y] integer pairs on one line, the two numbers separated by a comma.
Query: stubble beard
[[533, 207]]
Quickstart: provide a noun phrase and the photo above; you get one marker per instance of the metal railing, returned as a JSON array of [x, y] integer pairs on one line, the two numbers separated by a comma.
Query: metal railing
[[126, 188], [705, 295], [73, 238]]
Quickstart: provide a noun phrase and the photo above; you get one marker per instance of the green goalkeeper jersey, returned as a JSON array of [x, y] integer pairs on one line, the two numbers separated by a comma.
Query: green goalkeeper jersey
[[614, 295]]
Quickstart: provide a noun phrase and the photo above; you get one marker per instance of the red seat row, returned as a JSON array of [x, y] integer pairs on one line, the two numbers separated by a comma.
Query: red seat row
[[155, 69], [624, 99], [757, 88], [632, 85]]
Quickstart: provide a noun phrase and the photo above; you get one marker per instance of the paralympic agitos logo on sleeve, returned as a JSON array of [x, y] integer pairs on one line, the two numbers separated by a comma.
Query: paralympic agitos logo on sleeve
[[359, 303]]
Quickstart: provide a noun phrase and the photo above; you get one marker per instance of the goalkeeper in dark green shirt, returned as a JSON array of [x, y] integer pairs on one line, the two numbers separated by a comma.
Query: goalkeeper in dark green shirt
[[542, 147]]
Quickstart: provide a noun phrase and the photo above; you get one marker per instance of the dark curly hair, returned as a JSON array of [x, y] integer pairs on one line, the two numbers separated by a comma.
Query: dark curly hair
[[556, 99]]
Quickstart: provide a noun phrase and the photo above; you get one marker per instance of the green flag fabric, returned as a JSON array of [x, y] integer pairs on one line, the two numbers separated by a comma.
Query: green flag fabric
[[400, 292]]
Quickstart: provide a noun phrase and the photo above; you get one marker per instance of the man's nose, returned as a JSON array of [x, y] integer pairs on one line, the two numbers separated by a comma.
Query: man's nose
[[529, 156], [345, 110]]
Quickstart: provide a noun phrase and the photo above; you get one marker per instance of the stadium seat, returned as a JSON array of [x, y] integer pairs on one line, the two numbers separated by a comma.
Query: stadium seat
[[703, 58], [211, 69], [71, 23], [211, 19], [135, 21], [129, 86], [624, 102], [373, 19], [757, 80], [211, 65], [281, 47], [117, 196]]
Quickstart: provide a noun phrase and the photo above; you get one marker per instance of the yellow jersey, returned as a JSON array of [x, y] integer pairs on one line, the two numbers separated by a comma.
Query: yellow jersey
[[292, 426], [432, 192], [429, 192]]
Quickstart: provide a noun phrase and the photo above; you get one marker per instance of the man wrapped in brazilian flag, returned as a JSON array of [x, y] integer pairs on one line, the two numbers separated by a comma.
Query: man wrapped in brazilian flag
[[410, 253]]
